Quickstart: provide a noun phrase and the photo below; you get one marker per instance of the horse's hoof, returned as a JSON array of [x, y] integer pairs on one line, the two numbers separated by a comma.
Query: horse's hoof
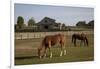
[[50, 56], [64, 52], [60, 55], [44, 56], [40, 57]]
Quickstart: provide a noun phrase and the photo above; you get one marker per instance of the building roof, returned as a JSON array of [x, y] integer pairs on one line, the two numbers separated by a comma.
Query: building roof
[[49, 18], [49, 21]]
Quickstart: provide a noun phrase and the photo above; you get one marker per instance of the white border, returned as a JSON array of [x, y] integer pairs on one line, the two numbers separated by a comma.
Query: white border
[[12, 34], [57, 2], [45, 66]]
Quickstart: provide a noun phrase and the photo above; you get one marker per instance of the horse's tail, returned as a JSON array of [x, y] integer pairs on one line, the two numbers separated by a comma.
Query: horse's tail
[[86, 40]]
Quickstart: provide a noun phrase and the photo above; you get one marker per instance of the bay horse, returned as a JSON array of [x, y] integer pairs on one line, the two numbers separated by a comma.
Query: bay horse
[[48, 42], [81, 37]]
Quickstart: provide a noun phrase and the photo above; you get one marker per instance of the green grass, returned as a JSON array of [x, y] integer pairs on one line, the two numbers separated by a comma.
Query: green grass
[[73, 54], [26, 52]]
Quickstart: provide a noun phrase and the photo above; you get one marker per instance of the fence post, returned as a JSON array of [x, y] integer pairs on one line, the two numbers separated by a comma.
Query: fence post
[[27, 36], [21, 36]]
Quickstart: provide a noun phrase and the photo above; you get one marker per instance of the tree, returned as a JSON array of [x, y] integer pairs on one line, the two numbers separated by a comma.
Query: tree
[[91, 23], [15, 26], [31, 22], [63, 25], [81, 23], [20, 21]]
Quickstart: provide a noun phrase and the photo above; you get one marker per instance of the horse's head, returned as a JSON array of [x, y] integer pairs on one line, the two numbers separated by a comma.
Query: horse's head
[[39, 52]]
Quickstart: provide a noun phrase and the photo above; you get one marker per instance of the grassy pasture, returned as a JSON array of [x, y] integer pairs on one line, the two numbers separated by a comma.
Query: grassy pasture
[[26, 51]]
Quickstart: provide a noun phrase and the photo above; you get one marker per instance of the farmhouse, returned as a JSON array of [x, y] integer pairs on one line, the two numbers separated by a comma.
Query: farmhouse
[[49, 24]]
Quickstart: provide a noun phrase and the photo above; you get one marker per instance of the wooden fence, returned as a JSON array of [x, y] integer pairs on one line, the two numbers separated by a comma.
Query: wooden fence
[[28, 35]]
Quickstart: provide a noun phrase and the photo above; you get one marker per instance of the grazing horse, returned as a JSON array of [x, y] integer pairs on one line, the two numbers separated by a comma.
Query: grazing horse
[[49, 41], [81, 37]]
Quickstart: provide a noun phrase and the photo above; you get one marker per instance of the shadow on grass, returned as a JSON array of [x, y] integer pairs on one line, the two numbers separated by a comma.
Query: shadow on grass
[[26, 57]]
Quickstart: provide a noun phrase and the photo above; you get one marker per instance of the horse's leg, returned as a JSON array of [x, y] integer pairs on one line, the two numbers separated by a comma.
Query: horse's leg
[[75, 42], [50, 52], [61, 52], [45, 50], [84, 43], [40, 57], [64, 50], [81, 42], [39, 52]]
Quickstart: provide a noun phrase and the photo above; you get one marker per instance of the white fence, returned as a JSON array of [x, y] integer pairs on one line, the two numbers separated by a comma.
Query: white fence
[[29, 35]]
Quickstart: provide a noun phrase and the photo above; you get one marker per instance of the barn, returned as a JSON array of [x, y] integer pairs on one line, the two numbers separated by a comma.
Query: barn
[[48, 24]]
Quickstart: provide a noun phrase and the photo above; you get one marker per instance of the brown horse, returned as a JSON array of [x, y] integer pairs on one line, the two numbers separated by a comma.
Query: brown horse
[[50, 41], [81, 37]]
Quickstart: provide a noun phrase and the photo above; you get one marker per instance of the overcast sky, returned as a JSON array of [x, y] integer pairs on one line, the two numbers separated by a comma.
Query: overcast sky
[[62, 14]]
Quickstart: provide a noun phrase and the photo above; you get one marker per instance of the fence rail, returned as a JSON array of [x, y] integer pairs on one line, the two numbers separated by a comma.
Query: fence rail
[[28, 35]]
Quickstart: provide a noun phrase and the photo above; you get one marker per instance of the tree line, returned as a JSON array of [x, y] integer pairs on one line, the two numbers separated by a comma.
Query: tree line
[[20, 22], [32, 23], [83, 23]]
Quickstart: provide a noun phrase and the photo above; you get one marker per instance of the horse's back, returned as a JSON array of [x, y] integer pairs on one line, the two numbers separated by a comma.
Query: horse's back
[[53, 39], [79, 36]]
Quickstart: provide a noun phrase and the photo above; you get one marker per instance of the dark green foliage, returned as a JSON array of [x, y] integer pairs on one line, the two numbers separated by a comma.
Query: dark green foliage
[[31, 22], [91, 23], [20, 21], [81, 23]]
